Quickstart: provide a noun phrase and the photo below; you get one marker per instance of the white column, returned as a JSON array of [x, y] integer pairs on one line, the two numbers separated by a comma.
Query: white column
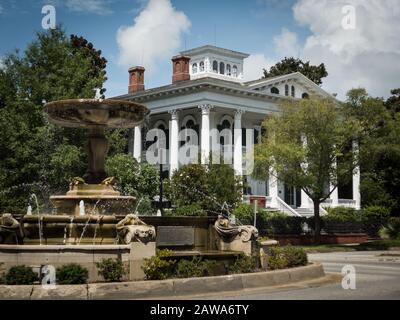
[[205, 133], [273, 188], [335, 193], [237, 148], [174, 143], [137, 143], [356, 179], [305, 199]]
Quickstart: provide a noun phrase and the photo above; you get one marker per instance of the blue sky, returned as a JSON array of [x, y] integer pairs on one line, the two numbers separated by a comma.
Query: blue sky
[[267, 29]]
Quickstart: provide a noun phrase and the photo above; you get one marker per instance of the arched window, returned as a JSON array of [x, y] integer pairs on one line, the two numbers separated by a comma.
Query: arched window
[[221, 68], [228, 69], [293, 91], [275, 90], [202, 66], [194, 68], [305, 95], [215, 66], [286, 90], [234, 71]]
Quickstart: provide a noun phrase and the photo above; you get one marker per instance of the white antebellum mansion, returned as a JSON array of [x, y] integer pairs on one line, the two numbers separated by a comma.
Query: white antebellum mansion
[[208, 92]]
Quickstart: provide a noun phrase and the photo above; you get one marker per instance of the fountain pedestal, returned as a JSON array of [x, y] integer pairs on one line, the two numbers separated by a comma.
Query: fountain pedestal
[[99, 199]]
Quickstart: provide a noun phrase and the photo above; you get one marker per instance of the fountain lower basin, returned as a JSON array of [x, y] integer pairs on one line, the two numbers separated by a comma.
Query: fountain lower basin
[[98, 199]]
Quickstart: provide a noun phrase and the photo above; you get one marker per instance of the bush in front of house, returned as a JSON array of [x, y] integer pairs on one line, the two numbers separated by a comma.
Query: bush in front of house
[[197, 267], [243, 264], [20, 275], [392, 230], [111, 269], [160, 266], [286, 257], [342, 214], [374, 218], [72, 273], [279, 223], [244, 212]]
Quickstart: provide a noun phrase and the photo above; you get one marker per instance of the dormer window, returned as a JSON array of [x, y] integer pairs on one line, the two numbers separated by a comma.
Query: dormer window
[[221, 68], [215, 66], [286, 90], [274, 90], [201, 66], [293, 91], [228, 69], [234, 71], [194, 68], [305, 95]]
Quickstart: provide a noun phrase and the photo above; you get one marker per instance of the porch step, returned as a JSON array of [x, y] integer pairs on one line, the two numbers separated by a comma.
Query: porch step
[[305, 212]]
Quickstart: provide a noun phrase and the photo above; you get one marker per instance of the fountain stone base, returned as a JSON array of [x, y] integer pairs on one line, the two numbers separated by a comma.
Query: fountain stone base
[[99, 199]]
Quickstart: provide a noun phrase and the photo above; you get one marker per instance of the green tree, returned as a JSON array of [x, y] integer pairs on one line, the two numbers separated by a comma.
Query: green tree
[[36, 156], [379, 147], [214, 187], [302, 145], [134, 178], [290, 65]]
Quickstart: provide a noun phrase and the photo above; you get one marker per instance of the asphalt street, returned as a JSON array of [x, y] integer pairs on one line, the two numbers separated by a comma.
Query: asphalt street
[[377, 276]]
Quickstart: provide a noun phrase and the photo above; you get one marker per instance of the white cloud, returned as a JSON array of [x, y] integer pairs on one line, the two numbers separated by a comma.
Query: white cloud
[[287, 44], [254, 64], [155, 35], [367, 56]]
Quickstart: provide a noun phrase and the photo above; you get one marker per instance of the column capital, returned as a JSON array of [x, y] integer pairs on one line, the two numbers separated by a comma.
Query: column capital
[[205, 108], [238, 114], [174, 114]]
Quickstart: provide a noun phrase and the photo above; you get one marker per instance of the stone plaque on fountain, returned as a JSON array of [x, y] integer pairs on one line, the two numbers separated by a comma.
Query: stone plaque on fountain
[[175, 236]]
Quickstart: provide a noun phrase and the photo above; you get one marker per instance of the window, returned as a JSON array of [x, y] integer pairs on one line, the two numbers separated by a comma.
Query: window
[[221, 68], [228, 69], [305, 95], [202, 66], [293, 91], [286, 90], [234, 71], [194, 68], [215, 66], [275, 90]]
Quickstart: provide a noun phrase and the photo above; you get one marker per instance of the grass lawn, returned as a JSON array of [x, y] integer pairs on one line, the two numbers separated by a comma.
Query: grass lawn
[[367, 246]]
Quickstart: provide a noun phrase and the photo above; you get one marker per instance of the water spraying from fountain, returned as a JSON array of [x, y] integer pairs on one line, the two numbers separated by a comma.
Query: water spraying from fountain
[[82, 208]]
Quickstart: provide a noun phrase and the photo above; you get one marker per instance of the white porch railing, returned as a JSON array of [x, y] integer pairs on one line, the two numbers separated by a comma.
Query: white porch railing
[[283, 206], [349, 203]]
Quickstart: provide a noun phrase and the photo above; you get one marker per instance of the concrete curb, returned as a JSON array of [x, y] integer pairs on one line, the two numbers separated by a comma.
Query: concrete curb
[[166, 288]]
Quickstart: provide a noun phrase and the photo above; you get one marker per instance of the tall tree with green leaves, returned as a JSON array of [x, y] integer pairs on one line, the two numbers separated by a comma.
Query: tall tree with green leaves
[[36, 156], [379, 140], [302, 145], [290, 65]]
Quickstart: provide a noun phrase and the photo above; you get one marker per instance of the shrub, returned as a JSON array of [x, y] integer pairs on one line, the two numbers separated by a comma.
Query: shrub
[[244, 213], [243, 264], [190, 210], [286, 257], [392, 230], [274, 223], [72, 273], [374, 218], [159, 267], [111, 269], [20, 275], [343, 214], [197, 267]]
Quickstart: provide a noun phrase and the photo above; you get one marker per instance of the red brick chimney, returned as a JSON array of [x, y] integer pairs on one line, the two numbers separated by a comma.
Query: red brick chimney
[[136, 79], [180, 68]]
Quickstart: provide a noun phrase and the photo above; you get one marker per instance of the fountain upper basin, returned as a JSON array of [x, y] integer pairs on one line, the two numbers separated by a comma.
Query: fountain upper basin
[[84, 113]]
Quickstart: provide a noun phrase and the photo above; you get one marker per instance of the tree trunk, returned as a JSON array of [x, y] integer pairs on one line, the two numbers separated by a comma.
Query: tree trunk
[[317, 234]]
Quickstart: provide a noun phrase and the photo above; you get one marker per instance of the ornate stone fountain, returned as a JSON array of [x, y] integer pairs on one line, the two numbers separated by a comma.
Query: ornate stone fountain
[[95, 115]]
